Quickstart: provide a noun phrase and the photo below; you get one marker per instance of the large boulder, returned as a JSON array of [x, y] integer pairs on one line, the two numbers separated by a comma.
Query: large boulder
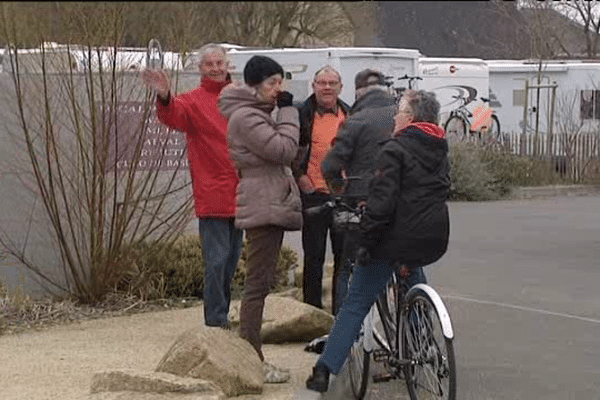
[[154, 396], [132, 385], [216, 355], [288, 320]]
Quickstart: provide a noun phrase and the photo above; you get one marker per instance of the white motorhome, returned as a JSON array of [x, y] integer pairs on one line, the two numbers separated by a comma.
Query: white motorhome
[[300, 65], [467, 78], [59, 58], [577, 94]]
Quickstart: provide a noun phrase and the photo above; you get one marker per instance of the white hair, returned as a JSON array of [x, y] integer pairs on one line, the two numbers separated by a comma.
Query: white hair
[[209, 48], [195, 59]]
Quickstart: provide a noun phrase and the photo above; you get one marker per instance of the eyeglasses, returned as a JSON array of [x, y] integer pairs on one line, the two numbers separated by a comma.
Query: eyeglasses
[[327, 83]]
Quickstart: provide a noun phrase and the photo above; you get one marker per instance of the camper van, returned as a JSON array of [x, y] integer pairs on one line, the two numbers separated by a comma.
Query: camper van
[[447, 77], [300, 65], [59, 58], [576, 87], [56, 59], [450, 78]]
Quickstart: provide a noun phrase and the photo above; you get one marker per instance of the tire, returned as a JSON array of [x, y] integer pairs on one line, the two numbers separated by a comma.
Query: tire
[[432, 371], [359, 362], [387, 306], [495, 130], [456, 129]]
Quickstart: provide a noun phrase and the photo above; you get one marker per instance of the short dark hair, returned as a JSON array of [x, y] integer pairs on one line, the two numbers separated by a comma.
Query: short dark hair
[[424, 105], [368, 77]]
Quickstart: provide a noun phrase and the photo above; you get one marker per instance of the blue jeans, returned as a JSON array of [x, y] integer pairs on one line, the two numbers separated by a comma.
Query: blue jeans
[[367, 283], [221, 248]]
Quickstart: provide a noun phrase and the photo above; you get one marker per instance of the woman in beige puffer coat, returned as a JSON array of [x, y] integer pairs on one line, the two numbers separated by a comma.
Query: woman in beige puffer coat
[[268, 199]]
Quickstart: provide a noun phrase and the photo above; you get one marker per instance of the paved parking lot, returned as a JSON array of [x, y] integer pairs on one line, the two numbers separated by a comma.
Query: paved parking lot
[[521, 280]]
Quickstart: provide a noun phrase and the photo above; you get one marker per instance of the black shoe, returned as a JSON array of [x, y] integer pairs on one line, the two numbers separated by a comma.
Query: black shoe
[[319, 380], [317, 345]]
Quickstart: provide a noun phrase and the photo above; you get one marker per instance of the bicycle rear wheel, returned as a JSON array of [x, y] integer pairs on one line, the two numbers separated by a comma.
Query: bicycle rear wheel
[[456, 129], [359, 362], [431, 373]]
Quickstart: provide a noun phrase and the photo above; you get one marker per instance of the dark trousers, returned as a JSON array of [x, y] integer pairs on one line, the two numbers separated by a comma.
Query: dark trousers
[[264, 244], [314, 244]]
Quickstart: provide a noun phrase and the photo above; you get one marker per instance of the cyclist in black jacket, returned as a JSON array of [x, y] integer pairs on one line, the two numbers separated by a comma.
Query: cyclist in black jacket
[[406, 221]]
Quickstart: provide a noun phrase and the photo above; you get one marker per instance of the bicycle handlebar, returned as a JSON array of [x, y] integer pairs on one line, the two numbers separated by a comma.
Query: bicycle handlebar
[[411, 77], [484, 99], [321, 210], [336, 202]]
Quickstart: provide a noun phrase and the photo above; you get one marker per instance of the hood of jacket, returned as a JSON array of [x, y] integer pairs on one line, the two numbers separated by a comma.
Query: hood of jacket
[[426, 144], [235, 96]]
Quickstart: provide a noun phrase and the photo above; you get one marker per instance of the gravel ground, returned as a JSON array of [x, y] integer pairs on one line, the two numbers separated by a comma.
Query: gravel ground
[[58, 362]]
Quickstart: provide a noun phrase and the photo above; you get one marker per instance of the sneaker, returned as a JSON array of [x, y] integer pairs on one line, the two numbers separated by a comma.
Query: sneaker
[[274, 374], [319, 380], [224, 327], [317, 345]]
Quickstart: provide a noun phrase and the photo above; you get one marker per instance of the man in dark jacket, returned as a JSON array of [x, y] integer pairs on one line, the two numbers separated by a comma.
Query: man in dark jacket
[[320, 117], [406, 221], [357, 144]]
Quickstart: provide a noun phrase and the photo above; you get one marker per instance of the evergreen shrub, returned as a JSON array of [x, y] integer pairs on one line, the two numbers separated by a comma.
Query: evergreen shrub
[[176, 270], [480, 173]]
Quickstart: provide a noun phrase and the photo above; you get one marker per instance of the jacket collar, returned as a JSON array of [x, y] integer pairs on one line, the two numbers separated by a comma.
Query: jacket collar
[[312, 102], [428, 128], [373, 99], [212, 86]]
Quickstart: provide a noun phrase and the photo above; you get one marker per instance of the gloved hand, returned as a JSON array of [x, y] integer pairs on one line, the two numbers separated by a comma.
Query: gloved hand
[[284, 99], [363, 257]]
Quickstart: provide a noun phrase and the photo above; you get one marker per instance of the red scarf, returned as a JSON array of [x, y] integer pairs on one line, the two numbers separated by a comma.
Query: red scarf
[[427, 127]]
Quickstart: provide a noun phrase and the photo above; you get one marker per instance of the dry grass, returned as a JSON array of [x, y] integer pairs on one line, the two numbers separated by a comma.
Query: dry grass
[[19, 313]]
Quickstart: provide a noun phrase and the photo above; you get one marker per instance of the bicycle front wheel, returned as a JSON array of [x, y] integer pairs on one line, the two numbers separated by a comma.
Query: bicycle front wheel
[[496, 133], [359, 362], [387, 307], [431, 371], [456, 129]]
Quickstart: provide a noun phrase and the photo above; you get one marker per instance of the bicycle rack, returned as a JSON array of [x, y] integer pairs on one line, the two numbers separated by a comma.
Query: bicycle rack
[[154, 55]]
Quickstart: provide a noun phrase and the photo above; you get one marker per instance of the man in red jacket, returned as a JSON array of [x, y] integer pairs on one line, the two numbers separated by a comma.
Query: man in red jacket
[[214, 179]]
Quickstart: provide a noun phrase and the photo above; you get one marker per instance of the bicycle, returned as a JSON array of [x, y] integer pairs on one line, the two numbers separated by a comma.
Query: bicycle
[[459, 124], [397, 92], [410, 326]]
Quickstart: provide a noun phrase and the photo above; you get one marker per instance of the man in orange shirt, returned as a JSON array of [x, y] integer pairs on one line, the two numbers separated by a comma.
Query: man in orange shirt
[[320, 117]]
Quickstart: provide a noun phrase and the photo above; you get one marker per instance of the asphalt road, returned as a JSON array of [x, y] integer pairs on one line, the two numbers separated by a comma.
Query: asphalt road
[[521, 280]]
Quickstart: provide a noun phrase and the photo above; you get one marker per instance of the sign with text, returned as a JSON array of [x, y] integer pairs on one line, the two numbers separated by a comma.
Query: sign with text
[[158, 148]]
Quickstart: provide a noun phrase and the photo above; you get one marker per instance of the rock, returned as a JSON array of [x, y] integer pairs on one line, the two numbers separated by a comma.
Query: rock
[[125, 384], [216, 355], [154, 396], [298, 277], [289, 320], [293, 293]]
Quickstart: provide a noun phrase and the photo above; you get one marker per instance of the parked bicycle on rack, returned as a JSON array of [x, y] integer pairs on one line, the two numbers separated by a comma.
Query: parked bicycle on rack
[[459, 126], [408, 330], [398, 91]]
